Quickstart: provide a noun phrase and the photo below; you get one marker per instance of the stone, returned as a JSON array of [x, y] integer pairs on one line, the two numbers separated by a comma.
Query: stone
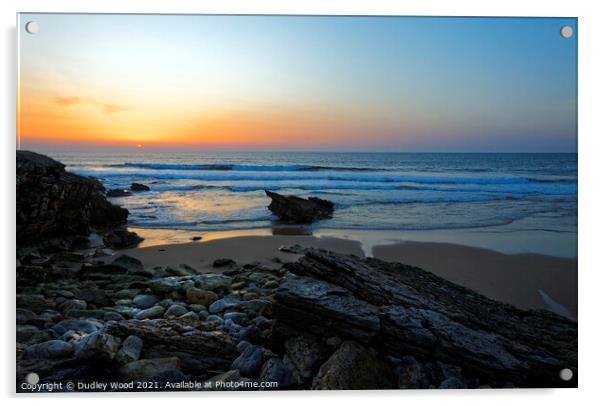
[[400, 309], [223, 262], [130, 350], [190, 316], [411, 374], [97, 346], [293, 249], [25, 316], [213, 282], [225, 303], [154, 312], [236, 317], [120, 238], [113, 316], [250, 361], [118, 193], [353, 367], [139, 187], [175, 311], [72, 304], [299, 210], [146, 368], [81, 326], [200, 296], [48, 350], [274, 370], [306, 353], [145, 301], [94, 296], [34, 302], [53, 203], [133, 265]]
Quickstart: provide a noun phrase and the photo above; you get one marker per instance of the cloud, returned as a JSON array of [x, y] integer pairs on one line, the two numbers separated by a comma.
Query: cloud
[[69, 101], [107, 108], [113, 108]]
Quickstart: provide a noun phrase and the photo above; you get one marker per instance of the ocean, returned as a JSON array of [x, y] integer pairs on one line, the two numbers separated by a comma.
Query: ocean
[[220, 191]]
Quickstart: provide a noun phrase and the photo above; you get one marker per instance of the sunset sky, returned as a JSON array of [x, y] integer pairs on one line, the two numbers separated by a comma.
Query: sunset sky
[[297, 83]]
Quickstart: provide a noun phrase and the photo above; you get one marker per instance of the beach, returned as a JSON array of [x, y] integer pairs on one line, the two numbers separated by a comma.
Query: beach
[[528, 281]]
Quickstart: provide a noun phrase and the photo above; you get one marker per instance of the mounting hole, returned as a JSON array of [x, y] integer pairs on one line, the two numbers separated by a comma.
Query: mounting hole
[[566, 374], [566, 31], [32, 378], [32, 27]]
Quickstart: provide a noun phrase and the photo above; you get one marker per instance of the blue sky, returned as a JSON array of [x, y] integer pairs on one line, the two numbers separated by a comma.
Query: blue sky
[[300, 83]]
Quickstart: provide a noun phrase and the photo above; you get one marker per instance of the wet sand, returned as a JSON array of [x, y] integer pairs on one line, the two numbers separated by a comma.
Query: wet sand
[[524, 280]]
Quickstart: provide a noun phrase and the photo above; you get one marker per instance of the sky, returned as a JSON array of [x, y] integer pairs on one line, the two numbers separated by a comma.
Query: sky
[[407, 84]]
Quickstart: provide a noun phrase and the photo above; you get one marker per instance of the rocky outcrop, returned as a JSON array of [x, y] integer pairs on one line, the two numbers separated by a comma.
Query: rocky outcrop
[[53, 203], [299, 210], [401, 310]]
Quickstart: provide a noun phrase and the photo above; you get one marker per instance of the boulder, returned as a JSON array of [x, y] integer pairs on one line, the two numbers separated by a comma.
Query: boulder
[[305, 354], [399, 309], [145, 301], [97, 346], [130, 350], [354, 367], [118, 193], [200, 296], [225, 303], [49, 350], [299, 210], [120, 238], [250, 361], [54, 203], [146, 368], [139, 187], [154, 312]]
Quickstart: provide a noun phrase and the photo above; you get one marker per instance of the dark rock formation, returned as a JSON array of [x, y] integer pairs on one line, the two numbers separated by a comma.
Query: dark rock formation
[[401, 310], [139, 187], [299, 210], [118, 193], [53, 203]]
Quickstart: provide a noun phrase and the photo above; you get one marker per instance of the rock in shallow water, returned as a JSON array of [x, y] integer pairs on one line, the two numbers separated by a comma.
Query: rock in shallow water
[[299, 210]]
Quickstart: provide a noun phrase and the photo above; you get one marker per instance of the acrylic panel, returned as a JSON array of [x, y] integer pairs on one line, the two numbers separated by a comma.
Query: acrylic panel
[[247, 202]]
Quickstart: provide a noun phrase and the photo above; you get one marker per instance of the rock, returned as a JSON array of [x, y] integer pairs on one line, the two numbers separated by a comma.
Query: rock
[[237, 317], [154, 312], [306, 353], [54, 203], [97, 346], [35, 303], [293, 249], [120, 238], [72, 304], [274, 370], [165, 286], [130, 350], [214, 318], [250, 361], [80, 326], [200, 296], [225, 303], [271, 284], [26, 332], [139, 187], [25, 316], [453, 383], [400, 309], [118, 193], [133, 265], [113, 316], [353, 367], [197, 238], [190, 316], [411, 374], [299, 210], [145, 301], [146, 368], [213, 282], [223, 262], [49, 350], [97, 297], [175, 311]]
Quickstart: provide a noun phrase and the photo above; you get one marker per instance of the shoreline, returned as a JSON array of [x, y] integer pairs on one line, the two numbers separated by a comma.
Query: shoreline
[[527, 280]]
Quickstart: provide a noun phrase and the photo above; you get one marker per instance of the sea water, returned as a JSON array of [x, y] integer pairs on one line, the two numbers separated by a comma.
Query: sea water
[[220, 191]]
